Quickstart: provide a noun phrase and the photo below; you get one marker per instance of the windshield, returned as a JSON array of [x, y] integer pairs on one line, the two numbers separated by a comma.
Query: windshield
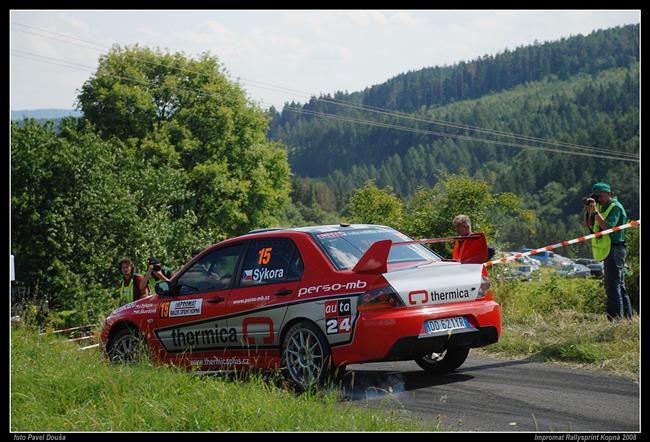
[[345, 248]]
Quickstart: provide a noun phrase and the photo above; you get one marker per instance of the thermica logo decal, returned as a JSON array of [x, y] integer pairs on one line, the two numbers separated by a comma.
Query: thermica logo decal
[[418, 297], [424, 297], [203, 337], [197, 337], [450, 295]]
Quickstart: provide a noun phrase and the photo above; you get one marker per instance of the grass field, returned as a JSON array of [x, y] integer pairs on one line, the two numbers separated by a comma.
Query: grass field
[[55, 388], [559, 319]]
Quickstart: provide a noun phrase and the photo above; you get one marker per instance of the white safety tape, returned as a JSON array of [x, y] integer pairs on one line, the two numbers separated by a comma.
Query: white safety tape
[[563, 243]]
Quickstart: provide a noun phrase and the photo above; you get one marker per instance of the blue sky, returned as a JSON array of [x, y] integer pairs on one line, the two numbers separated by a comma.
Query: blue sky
[[311, 51]]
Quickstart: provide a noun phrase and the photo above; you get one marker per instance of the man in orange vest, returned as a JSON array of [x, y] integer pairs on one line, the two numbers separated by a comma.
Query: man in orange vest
[[469, 251]]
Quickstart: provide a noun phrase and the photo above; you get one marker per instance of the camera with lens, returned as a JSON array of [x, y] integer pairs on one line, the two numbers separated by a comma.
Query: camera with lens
[[157, 265], [588, 199]]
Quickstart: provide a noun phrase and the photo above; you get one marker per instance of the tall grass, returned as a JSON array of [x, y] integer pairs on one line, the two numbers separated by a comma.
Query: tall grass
[[55, 388], [561, 319]]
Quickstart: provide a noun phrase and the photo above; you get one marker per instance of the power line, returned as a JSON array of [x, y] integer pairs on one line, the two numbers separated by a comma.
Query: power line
[[447, 135], [59, 62], [363, 107], [57, 33], [443, 122]]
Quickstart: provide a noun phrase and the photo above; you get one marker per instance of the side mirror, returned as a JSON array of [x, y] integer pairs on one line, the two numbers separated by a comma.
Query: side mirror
[[163, 288]]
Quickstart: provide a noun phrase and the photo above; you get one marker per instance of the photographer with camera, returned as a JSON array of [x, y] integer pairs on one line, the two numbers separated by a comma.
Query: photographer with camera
[[155, 272], [603, 211]]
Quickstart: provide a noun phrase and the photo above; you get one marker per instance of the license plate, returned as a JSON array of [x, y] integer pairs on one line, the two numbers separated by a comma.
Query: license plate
[[435, 326]]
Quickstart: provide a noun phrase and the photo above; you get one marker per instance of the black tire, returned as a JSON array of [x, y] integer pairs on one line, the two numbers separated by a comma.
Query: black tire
[[306, 356], [445, 362], [126, 346]]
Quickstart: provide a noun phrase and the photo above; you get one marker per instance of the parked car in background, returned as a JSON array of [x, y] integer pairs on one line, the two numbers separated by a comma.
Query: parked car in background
[[560, 261], [575, 271], [596, 267], [545, 257], [526, 260], [522, 272]]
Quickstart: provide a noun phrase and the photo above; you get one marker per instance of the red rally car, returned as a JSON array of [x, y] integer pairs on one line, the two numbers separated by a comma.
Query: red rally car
[[308, 300]]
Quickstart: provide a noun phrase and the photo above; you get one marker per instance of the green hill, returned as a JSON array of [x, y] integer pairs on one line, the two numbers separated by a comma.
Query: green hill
[[580, 90]]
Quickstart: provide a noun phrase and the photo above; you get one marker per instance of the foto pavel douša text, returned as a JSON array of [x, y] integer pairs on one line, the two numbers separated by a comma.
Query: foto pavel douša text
[[39, 436]]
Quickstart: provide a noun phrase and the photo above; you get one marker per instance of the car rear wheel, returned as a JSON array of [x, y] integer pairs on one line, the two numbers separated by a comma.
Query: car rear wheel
[[306, 355], [126, 346], [445, 362]]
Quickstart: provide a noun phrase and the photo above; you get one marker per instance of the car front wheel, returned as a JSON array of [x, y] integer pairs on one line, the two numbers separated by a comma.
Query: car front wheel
[[445, 362], [306, 355], [126, 346]]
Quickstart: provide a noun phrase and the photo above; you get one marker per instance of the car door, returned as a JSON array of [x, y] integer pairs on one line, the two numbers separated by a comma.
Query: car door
[[270, 272], [192, 319]]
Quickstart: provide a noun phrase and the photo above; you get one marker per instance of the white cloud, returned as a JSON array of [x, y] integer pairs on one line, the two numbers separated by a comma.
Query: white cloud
[[408, 19], [365, 18], [75, 23], [217, 27], [147, 31], [324, 48], [264, 38]]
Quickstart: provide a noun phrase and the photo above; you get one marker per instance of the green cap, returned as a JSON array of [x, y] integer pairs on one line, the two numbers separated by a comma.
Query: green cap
[[601, 187]]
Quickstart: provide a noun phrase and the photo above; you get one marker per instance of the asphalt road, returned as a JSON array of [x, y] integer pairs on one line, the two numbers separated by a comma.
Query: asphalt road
[[487, 394]]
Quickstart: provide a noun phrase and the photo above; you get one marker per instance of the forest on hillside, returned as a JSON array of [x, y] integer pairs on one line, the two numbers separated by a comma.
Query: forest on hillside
[[582, 90]]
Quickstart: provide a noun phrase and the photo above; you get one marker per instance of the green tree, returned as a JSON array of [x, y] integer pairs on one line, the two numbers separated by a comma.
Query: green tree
[[371, 205], [79, 203], [431, 211], [186, 113]]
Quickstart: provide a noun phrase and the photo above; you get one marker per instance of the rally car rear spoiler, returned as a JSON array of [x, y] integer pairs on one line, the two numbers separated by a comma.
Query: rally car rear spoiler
[[375, 260]]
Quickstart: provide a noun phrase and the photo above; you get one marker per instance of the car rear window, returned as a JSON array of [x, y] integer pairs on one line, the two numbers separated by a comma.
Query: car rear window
[[270, 262], [345, 247]]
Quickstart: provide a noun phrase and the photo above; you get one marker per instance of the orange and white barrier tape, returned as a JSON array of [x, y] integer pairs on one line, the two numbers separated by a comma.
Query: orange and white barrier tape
[[68, 330], [563, 243]]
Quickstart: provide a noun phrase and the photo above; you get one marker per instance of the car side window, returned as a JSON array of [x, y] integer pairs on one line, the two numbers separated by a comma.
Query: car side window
[[212, 272], [271, 261], [296, 267]]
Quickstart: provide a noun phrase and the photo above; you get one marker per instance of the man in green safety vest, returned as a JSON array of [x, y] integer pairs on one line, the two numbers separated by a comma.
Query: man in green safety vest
[[602, 212], [129, 288]]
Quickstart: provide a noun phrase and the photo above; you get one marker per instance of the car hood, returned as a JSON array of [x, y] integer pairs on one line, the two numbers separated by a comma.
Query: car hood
[[139, 306]]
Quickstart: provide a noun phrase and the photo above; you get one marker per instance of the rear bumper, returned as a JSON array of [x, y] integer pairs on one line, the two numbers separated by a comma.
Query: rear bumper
[[398, 334], [414, 347]]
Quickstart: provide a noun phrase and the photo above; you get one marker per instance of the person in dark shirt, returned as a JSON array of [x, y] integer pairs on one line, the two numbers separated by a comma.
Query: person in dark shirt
[[156, 271]]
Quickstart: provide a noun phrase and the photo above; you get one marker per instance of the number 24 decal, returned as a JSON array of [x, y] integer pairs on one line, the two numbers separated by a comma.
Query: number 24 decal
[[338, 325]]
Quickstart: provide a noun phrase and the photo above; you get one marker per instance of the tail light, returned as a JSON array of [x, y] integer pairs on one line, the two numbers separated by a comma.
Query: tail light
[[378, 299], [484, 289]]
